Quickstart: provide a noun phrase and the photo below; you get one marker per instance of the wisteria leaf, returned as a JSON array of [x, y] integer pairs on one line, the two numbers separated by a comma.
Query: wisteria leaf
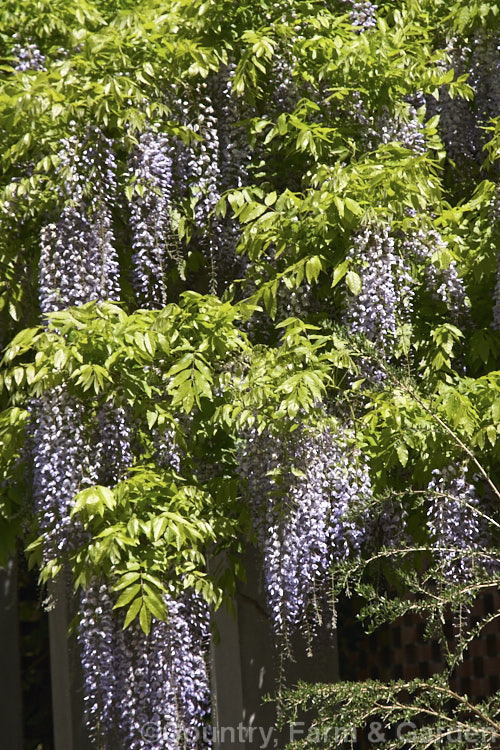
[[132, 611], [145, 618], [127, 595], [353, 281]]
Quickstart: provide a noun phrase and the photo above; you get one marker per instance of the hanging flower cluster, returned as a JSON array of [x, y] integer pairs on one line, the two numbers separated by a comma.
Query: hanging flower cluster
[[303, 489], [145, 691], [153, 240], [62, 466], [444, 284], [234, 157], [112, 452], [457, 123], [461, 121], [200, 172], [453, 523], [204, 172], [363, 15], [28, 57], [385, 299], [373, 312], [160, 697], [386, 526], [78, 260]]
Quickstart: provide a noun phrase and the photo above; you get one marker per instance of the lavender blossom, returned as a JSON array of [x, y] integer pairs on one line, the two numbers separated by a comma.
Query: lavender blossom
[[363, 14], [112, 452], [405, 129], [386, 297], [145, 691], [444, 284], [454, 526], [459, 131], [484, 67], [97, 640], [161, 694], [461, 121], [153, 239], [285, 94], [62, 466], [167, 454], [204, 171], [78, 261], [28, 57], [386, 526], [234, 158], [304, 490]]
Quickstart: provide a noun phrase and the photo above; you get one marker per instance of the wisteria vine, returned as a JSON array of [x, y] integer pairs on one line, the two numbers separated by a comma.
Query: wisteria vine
[[141, 212], [306, 491]]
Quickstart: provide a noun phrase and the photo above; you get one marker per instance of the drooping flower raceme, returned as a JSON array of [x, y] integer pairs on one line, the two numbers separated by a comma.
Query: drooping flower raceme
[[363, 15], [62, 466], [111, 444], [153, 240], [145, 692], [97, 641], [28, 57], [204, 174], [455, 527], [462, 121], [483, 65], [386, 296], [304, 490], [234, 157], [444, 284], [78, 260]]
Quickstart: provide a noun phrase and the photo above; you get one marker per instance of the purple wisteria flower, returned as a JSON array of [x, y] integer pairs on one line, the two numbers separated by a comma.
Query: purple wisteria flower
[[78, 259], [444, 284], [62, 466], [28, 57], [153, 240], [145, 692], [385, 300], [305, 491], [454, 525]]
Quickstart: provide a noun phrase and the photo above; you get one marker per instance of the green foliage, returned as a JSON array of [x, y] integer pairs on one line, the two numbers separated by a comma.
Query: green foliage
[[426, 713], [192, 371], [13, 422], [186, 369]]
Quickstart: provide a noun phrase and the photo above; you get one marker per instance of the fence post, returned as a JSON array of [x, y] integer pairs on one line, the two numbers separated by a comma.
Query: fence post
[[67, 701], [59, 667], [245, 667], [10, 661]]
